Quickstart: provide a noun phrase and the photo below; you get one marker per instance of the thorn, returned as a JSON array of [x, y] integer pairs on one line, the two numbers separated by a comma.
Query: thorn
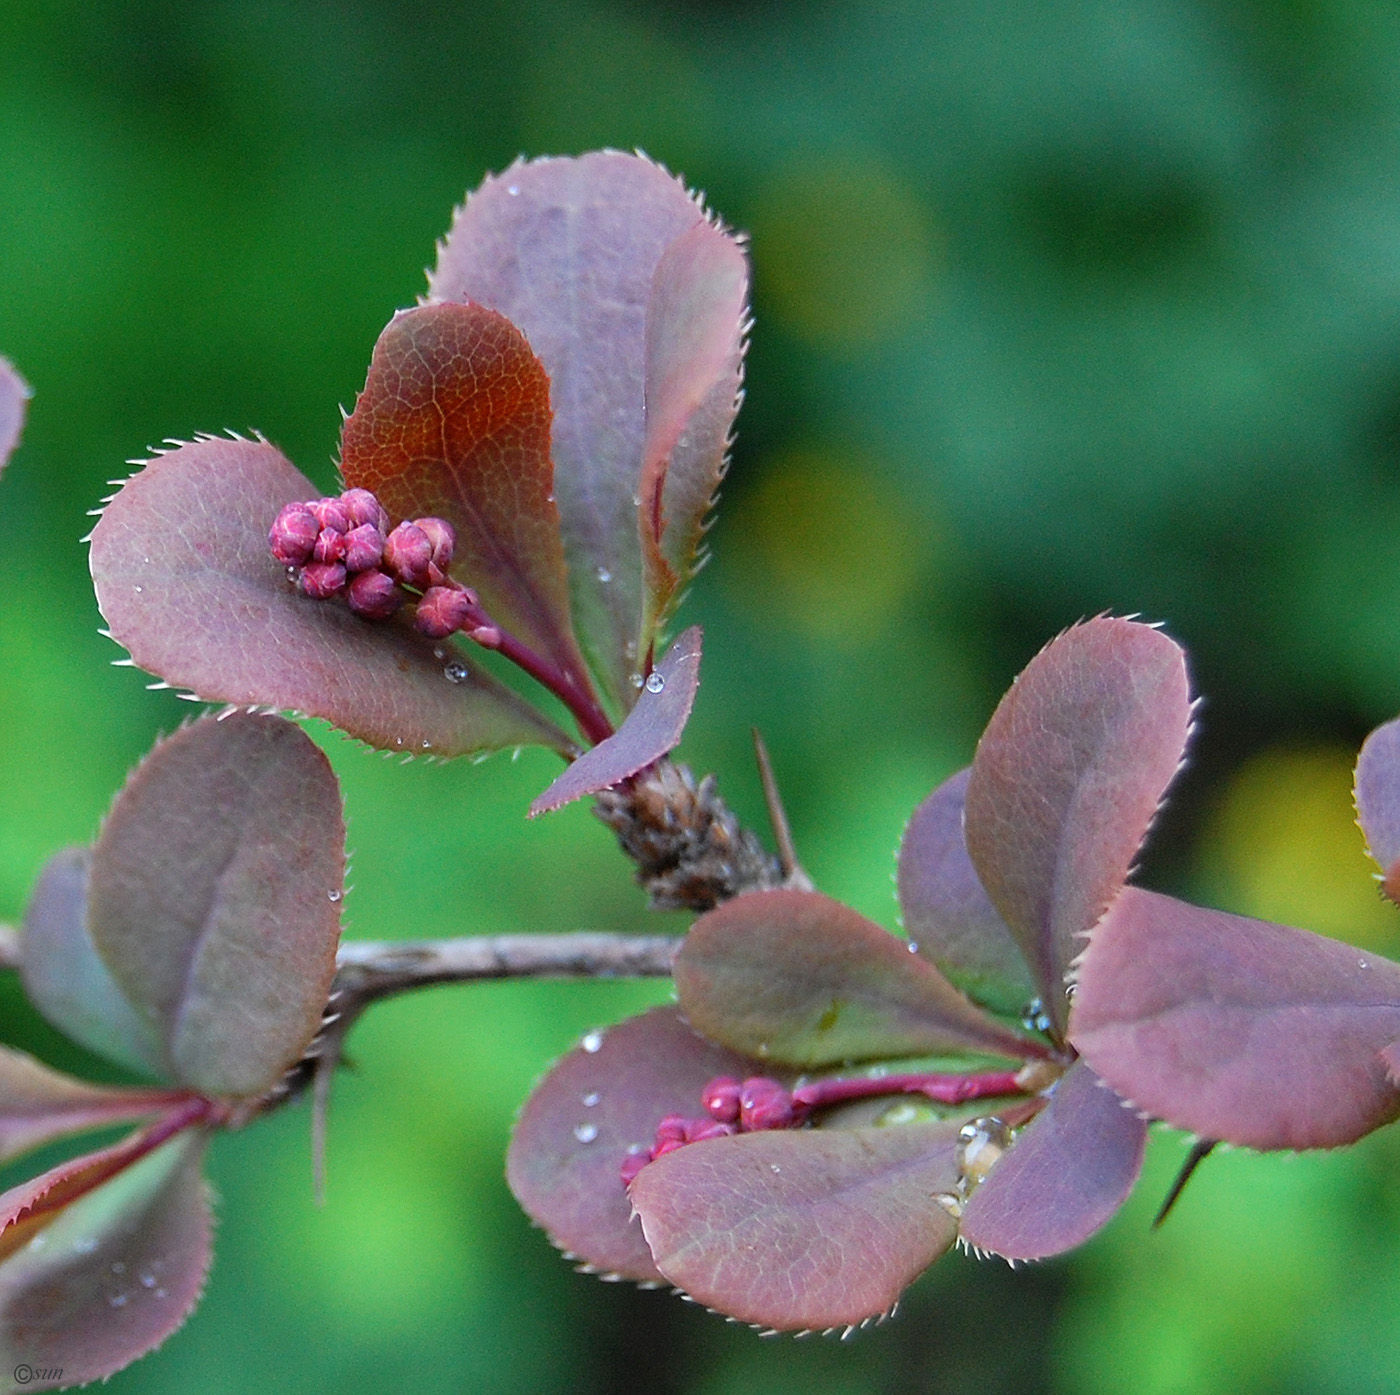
[[777, 816], [1200, 1151]]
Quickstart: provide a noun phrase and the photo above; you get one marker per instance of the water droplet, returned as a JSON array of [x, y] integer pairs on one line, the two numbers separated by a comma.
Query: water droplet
[[1034, 1018], [604, 574], [905, 1112], [591, 1099], [1362, 964], [636, 680], [39, 1241], [148, 1280], [139, 589], [119, 1268], [913, 947], [773, 1167], [456, 671], [83, 1245], [763, 1048], [427, 745], [439, 653], [585, 1133], [592, 1043], [950, 1203], [655, 682], [117, 1300], [512, 189], [334, 895]]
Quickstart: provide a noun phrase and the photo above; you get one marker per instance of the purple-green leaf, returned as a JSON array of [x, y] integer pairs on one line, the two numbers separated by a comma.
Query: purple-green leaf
[[569, 251], [214, 898], [14, 394], [1065, 1176], [946, 909], [805, 1229], [1378, 802], [110, 1274], [600, 1102], [796, 977], [1238, 1029], [1067, 778], [186, 583], [454, 422], [650, 730], [38, 1104], [65, 977]]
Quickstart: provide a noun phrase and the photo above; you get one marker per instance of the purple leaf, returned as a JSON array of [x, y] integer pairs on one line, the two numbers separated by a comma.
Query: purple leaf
[[569, 251], [651, 729], [214, 895], [1238, 1029], [794, 976], [1065, 1176], [38, 1105], [1067, 778], [110, 1274], [566, 1153], [694, 365], [185, 581], [1378, 802], [946, 910], [14, 394], [64, 975], [803, 1229], [454, 423]]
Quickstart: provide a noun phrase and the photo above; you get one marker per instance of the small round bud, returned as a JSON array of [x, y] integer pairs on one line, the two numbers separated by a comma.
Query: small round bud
[[669, 1146], [764, 1104], [293, 535], [320, 580], [441, 539], [701, 1129], [632, 1164], [441, 612], [364, 548], [330, 546], [721, 1099], [407, 553], [364, 508], [672, 1129], [331, 513], [373, 594]]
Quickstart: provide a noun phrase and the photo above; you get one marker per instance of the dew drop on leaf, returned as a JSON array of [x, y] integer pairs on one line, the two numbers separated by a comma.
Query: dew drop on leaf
[[333, 895], [455, 672], [655, 683], [585, 1133], [591, 1099], [604, 575], [592, 1043]]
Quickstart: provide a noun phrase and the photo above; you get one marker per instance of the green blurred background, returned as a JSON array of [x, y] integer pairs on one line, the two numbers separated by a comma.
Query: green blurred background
[[1060, 309]]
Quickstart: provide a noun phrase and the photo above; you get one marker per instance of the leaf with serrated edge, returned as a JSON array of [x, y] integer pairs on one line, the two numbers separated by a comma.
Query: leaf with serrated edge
[[1067, 778], [214, 898], [112, 1274], [1238, 1029], [801, 1229], [1378, 802], [64, 975], [454, 422], [14, 395], [796, 977], [187, 584], [694, 366], [1065, 1176], [567, 249], [565, 1158], [38, 1104], [652, 729], [946, 910]]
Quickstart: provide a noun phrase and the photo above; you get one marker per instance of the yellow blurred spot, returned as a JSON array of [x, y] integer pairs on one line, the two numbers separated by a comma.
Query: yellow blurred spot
[[844, 252], [1283, 845], [824, 545]]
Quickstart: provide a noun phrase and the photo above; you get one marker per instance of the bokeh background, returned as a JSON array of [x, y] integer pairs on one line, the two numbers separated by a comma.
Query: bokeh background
[[1060, 309]]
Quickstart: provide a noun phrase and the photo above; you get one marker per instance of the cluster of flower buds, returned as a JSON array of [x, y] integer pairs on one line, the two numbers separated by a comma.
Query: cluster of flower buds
[[731, 1106], [343, 546]]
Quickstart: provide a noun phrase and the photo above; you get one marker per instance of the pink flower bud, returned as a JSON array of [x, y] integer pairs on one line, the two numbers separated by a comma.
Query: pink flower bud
[[764, 1104], [373, 594], [364, 548], [669, 1146], [293, 535], [701, 1129], [632, 1164], [331, 513], [721, 1099], [442, 611], [441, 539], [364, 508], [320, 580], [330, 546], [672, 1129], [407, 552]]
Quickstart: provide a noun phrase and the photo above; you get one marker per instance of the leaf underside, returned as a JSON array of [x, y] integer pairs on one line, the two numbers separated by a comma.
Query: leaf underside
[[186, 583], [14, 394], [1378, 801], [454, 422], [65, 977], [946, 909], [801, 1229], [796, 977], [1238, 1029], [1065, 1176], [565, 1155], [114, 1272], [1067, 778], [213, 898], [569, 251], [652, 729]]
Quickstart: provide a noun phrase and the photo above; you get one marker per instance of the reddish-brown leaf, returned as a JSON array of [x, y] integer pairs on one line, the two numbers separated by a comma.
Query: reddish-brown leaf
[[186, 583], [1238, 1029]]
